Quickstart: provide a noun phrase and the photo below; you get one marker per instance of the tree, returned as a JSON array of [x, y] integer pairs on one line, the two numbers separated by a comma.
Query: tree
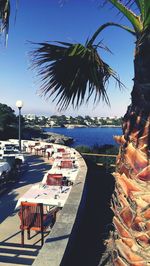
[[61, 120], [8, 122], [80, 120], [68, 72]]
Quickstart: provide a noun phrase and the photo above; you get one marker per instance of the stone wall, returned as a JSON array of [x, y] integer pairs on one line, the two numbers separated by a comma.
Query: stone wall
[[55, 245]]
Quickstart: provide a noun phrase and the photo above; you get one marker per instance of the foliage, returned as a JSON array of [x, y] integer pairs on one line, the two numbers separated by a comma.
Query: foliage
[[104, 149], [31, 132], [61, 120], [8, 122], [83, 149], [79, 120], [6, 115], [69, 70], [73, 72], [4, 16]]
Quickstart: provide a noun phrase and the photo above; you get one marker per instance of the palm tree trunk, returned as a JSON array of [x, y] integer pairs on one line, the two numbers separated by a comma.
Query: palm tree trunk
[[129, 243]]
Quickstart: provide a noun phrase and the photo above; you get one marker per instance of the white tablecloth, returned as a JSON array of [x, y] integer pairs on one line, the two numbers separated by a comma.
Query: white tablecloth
[[48, 195]]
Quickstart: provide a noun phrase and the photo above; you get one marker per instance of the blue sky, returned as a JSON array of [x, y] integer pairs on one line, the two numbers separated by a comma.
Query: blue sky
[[47, 20]]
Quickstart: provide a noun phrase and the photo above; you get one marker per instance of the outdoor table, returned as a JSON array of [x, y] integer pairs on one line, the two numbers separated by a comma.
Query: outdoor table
[[48, 195], [70, 174], [57, 154]]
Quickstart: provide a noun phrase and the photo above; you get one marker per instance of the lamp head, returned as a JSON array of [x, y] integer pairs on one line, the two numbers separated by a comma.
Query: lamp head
[[19, 104]]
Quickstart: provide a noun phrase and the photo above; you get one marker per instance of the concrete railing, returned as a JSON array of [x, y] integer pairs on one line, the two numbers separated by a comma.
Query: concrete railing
[[105, 162], [56, 243]]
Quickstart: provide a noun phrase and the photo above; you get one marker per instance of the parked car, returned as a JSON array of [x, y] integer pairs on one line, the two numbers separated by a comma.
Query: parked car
[[5, 168]]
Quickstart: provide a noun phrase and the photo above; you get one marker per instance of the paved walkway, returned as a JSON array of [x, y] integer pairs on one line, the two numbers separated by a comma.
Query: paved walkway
[[11, 252]]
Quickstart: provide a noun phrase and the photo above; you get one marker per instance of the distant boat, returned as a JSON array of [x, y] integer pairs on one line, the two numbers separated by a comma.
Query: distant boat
[[71, 126]]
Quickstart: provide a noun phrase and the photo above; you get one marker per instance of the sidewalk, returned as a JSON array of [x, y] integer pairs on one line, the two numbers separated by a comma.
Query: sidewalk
[[11, 252]]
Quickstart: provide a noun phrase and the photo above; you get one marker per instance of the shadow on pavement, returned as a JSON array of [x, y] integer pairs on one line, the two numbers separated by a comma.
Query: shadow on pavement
[[93, 221], [33, 174], [14, 253]]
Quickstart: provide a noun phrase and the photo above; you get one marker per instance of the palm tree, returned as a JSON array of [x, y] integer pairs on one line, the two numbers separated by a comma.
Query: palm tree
[[68, 71]]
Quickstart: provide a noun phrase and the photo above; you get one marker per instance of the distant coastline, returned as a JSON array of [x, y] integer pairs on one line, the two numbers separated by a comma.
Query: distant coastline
[[62, 121], [68, 126]]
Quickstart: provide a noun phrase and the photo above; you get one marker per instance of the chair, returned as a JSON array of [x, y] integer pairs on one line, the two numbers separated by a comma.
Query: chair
[[48, 146], [37, 150], [43, 151], [60, 150], [66, 164], [48, 155], [33, 218], [54, 179], [31, 147]]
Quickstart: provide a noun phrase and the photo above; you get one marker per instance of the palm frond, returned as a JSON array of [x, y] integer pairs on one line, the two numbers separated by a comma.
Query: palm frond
[[144, 8], [128, 13], [104, 26], [4, 16], [71, 73], [146, 13], [140, 5]]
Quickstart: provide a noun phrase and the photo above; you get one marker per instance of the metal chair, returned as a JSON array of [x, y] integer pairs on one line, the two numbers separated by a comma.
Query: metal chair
[[33, 218]]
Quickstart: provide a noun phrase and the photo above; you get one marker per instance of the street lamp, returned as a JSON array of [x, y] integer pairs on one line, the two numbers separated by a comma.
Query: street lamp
[[19, 104]]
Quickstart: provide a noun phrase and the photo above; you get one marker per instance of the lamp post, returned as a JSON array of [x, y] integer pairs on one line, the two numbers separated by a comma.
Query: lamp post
[[19, 104]]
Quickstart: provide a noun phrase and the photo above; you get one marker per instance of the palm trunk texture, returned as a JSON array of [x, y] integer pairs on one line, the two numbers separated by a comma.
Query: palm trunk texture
[[129, 243]]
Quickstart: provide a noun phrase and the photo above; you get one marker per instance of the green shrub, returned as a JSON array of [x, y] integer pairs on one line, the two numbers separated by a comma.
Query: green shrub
[[83, 149], [104, 149]]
